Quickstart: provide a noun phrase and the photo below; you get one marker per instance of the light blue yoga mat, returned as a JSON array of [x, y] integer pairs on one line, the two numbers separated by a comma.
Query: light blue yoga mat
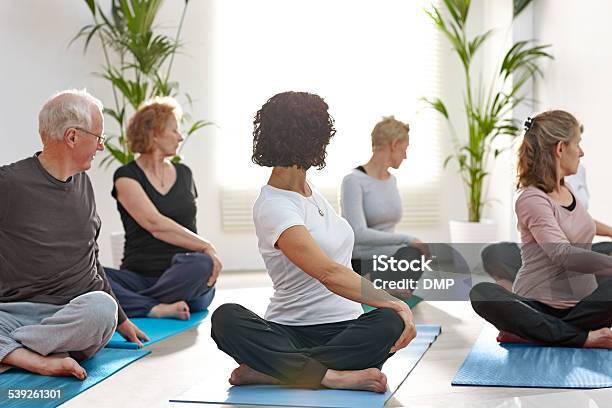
[[216, 390], [490, 363], [104, 364], [157, 329]]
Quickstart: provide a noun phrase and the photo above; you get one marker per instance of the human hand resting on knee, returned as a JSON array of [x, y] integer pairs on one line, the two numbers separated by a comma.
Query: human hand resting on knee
[[211, 251], [409, 332], [131, 332], [421, 246], [301, 249]]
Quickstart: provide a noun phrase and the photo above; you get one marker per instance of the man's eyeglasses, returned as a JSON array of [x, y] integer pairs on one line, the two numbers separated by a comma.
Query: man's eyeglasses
[[101, 138]]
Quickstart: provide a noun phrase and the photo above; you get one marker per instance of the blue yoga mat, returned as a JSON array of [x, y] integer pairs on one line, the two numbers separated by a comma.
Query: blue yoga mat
[[490, 363], [215, 390], [157, 329], [102, 365]]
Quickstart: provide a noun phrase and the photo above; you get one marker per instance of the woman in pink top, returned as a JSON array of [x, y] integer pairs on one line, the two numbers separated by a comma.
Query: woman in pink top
[[555, 298]]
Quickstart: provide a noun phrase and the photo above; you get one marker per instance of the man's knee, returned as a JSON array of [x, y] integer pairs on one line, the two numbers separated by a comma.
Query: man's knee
[[100, 310]]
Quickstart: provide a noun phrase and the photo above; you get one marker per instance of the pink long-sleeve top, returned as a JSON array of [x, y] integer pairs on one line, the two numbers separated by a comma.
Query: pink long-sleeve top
[[558, 266]]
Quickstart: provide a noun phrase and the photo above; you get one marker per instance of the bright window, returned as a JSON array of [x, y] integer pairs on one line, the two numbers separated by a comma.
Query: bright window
[[365, 58]]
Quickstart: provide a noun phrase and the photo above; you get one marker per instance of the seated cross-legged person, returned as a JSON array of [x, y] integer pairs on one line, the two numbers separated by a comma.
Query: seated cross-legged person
[[168, 270], [371, 204], [555, 299], [502, 260], [56, 304], [314, 332]]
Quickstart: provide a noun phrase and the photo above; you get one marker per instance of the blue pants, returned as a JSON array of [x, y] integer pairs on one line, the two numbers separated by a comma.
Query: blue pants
[[185, 280]]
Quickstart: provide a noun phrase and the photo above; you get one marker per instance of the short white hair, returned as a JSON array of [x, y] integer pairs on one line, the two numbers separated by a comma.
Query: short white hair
[[65, 109]]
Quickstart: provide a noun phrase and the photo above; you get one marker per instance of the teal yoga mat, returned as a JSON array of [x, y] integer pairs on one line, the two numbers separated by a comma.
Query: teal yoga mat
[[412, 301], [157, 329], [215, 390], [17, 382], [490, 363]]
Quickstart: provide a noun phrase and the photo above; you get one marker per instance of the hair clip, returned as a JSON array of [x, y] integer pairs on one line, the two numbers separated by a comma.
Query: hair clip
[[528, 123]]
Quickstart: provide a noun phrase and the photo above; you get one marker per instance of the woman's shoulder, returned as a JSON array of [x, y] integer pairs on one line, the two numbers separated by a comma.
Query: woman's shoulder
[[182, 166], [355, 176], [182, 170], [531, 192], [527, 197], [271, 196], [273, 202], [129, 169]]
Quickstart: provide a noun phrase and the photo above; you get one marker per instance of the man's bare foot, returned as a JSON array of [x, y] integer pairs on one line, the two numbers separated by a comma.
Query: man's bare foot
[[63, 366], [178, 310], [246, 375], [370, 379], [57, 365], [601, 338], [506, 337]]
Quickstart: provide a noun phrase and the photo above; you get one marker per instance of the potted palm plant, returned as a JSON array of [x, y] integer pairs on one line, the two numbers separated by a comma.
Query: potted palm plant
[[137, 65], [487, 107]]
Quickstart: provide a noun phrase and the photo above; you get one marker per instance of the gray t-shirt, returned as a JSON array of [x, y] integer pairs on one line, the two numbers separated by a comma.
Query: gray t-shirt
[[48, 232], [373, 208]]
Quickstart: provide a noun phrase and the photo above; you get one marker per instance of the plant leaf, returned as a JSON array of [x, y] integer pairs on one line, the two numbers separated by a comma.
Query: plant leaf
[[519, 6], [437, 104]]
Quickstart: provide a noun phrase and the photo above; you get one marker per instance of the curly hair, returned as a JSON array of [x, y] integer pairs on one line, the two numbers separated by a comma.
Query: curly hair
[[536, 160], [292, 129], [150, 120]]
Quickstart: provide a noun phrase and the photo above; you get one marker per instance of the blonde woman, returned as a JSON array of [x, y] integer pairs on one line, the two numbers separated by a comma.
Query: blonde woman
[[168, 270], [555, 299], [371, 202]]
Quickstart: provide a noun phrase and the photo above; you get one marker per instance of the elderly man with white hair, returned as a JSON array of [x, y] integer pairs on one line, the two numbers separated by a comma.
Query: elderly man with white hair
[[56, 304]]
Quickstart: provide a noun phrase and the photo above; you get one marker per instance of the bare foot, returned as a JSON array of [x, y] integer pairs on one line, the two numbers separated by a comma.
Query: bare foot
[[246, 375], [370, 379], [178, 310], [506, 337], [601, 338], [57, 365], [63, 367]]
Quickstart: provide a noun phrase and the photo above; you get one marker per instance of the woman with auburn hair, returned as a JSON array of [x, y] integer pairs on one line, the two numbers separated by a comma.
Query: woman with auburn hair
[[371, 204], [555, 299], [314, 332], [168, 270]]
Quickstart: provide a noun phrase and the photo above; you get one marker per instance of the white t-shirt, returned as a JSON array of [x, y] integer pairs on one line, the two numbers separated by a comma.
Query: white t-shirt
[[299, 299]]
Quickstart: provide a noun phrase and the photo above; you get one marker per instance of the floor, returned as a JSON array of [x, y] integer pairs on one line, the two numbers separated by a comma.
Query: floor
[[177, 364]]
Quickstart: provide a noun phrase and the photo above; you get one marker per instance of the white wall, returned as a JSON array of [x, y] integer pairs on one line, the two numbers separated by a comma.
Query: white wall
[[36, 63], [579, 81]]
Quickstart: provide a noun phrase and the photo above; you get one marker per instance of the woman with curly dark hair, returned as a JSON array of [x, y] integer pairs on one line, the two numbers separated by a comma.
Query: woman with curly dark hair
[[314, 333], [555, 299]]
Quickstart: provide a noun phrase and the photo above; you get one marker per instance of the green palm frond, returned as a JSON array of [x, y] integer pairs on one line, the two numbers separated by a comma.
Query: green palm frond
[[487, 106], [458, 10], [135, 56], [519, 6]]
